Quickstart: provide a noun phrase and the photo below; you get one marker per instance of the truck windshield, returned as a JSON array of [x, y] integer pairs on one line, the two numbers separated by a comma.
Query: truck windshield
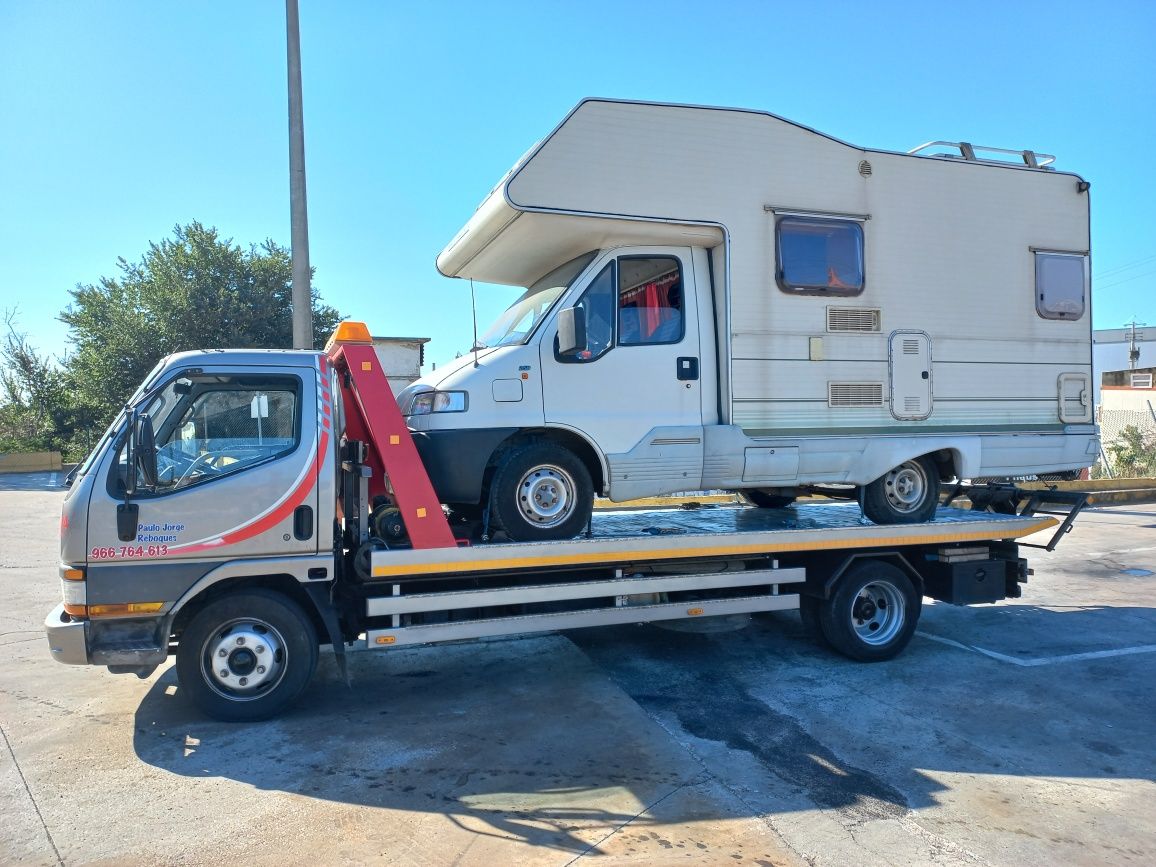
[[519, 319]]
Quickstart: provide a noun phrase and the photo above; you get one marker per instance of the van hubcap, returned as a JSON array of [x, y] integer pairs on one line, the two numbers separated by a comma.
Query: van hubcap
[[906, 487], [546, 496]]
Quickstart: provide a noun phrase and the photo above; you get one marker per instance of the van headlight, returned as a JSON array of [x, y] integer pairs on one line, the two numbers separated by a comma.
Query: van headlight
[[426, 402]]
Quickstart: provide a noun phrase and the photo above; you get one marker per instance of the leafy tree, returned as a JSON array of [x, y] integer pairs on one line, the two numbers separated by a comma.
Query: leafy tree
[[33, 405], [193, 291]]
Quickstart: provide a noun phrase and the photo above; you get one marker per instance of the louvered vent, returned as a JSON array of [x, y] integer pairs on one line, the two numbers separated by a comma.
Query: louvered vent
[[912, 405], [865, 168], [910, 346], [860, 319], [855, 394]]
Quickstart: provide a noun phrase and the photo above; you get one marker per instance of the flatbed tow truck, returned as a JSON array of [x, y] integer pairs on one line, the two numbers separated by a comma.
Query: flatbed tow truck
[[249, 506]]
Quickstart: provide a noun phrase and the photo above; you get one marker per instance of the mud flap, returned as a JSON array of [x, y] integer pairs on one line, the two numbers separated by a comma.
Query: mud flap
[[319, 593]]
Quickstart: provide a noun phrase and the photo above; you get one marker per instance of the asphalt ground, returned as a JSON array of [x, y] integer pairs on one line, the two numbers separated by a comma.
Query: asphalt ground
[[1017, 733]]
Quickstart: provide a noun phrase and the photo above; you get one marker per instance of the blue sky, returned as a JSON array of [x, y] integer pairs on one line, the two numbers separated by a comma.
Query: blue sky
[[120, 120]]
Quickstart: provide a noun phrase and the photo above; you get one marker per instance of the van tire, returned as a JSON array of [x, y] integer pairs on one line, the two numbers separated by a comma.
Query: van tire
[[767, 501], [246, 656], [907, 494], [871, 613], [541, 491]]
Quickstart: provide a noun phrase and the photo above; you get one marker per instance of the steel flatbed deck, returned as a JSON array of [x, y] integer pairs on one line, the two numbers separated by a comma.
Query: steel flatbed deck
[[708, 533]]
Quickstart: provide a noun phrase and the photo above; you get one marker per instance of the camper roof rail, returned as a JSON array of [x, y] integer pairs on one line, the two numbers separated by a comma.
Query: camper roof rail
[[967, 151]]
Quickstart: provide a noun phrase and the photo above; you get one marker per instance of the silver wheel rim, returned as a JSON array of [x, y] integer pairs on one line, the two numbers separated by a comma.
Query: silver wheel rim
[[906, 487], [244, 659], [878, 613], [546, 495]]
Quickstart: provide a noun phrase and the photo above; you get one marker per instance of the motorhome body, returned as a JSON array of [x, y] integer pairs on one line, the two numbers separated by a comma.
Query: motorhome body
[[723, 299]]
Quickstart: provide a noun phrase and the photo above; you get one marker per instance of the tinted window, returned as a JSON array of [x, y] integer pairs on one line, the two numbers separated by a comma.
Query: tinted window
[[820, 256]]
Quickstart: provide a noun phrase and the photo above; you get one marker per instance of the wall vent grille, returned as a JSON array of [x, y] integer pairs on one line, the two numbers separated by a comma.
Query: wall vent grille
[[910, 346], [852, 394], [855, 319]]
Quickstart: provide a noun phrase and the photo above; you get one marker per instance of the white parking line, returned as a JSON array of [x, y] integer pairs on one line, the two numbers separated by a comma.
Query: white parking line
[[55, 482], [1120, 551], [1044, 660]]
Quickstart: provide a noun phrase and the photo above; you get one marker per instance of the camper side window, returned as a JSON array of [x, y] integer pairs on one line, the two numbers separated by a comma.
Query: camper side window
[[1061, 285], [649, 301], [819, 256]]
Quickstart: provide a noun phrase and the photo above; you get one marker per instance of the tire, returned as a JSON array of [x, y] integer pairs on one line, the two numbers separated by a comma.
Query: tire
[[221, 650], [908, 494], [767, 501], [872, 613], [541, 491]]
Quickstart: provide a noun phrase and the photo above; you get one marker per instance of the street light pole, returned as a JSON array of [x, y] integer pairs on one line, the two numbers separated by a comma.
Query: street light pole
[[299, 214]]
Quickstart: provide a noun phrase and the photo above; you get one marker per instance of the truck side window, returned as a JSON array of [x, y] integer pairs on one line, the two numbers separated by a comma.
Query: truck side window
[[211, 427], [1061, 285], [598, 304], [650, 305], [819, 256]]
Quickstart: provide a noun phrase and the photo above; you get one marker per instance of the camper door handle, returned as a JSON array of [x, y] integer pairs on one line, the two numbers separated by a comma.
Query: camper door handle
[[926, 375], [687, 368]]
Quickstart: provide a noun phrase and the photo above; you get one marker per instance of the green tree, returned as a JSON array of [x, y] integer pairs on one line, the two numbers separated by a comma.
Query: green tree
[[33, 399], [193, 291], [1133, 452]]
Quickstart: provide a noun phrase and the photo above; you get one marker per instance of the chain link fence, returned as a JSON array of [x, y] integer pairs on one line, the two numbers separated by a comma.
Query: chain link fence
[[1128, 444]]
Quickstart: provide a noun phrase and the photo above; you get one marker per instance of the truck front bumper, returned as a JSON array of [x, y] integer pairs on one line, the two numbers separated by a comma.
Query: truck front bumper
[[67, 638]]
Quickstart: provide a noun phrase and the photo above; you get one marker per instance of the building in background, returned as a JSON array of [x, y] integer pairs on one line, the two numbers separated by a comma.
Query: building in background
[[401, 358], [1111, 348]]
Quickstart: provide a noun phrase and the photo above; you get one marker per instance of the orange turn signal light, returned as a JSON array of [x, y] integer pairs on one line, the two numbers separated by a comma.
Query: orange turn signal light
[[349, 332], [120, 609], [72, 574]]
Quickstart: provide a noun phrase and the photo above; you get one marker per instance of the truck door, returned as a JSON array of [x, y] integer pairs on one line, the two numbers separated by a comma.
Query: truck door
[[634, 389], [238, 456]]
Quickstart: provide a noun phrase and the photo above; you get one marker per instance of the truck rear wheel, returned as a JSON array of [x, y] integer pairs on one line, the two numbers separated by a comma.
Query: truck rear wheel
[[907, 494], [247, 656], [872, 612], [541, 491]]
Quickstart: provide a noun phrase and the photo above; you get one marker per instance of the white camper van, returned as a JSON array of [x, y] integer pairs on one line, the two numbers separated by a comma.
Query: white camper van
[[723, 299]]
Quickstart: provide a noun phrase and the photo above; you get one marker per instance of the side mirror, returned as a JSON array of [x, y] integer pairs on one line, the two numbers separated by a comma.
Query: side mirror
[[146, 450], [571, 330]]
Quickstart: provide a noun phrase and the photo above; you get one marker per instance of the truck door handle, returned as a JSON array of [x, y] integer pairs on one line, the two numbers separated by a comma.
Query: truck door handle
[[303, 523], [687, 368]]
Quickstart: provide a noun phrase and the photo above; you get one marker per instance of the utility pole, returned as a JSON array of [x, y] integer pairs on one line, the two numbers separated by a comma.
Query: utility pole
[[1133, 349], [298, 210]]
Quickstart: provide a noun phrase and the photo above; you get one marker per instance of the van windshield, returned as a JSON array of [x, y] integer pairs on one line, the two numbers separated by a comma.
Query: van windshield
[[520, 318]]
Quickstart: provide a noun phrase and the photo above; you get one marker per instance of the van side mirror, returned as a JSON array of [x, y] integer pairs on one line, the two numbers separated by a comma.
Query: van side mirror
[[571, 330]]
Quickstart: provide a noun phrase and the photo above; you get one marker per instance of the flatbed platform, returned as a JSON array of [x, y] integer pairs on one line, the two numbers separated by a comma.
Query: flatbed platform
[[704, 534]]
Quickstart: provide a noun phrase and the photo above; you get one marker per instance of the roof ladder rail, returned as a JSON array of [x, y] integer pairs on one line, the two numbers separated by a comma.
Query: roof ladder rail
[[967, 151]]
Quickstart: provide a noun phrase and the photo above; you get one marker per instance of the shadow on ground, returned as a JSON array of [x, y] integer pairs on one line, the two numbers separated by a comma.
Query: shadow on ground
[[532, 740]]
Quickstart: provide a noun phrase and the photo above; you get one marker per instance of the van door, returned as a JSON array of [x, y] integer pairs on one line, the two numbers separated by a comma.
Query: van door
[[634, 388]]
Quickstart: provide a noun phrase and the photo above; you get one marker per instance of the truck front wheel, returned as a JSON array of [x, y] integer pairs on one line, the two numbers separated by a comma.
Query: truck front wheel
[[871, 613], [246, 656], [541, 491]]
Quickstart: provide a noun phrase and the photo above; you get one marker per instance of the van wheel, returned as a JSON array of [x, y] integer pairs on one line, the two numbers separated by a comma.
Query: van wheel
[[541, 491], [247, 656], [767, 501], [908, 494], [872, 613]]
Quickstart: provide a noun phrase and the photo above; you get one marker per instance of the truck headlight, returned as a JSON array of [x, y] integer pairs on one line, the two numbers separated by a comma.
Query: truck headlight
[[438, 401]]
